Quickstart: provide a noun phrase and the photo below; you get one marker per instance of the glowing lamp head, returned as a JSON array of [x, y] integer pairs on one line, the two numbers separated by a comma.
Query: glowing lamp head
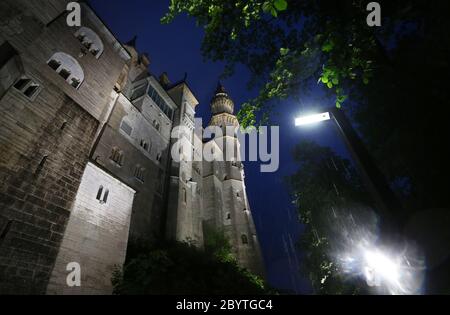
[[311, 119], [379, 267]]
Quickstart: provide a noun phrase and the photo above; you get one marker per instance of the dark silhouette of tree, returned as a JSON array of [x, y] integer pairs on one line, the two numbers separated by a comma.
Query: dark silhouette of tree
[[323, 186], [182, 268]]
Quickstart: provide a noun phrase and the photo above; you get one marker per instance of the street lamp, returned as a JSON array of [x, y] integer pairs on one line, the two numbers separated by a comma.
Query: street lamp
[[387, 203], [375, 263], [310, 119]]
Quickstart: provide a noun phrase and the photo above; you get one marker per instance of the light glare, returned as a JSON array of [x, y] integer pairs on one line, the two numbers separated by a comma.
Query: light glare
[[380, 265], [310, 119]]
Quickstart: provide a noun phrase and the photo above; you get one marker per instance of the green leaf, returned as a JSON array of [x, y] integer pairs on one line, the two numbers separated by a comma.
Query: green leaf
[[284, 51], [328, 46], [274, 12], [335, 81], [330, 85], [281, 5], [267, 6]]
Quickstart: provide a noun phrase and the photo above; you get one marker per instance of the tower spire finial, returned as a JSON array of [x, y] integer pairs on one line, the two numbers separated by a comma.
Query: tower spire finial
[[220, 88], [132, 42], [221, 102]]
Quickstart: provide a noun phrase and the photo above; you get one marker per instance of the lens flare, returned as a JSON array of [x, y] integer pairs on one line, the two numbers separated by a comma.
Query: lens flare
[[388, 267]]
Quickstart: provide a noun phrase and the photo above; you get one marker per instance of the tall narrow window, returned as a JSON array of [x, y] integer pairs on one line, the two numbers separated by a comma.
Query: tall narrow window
[[184, 195], [139, 173], [144, 144], [41, 164], [244, 239], [5, 230], [117, 156], [228, 216], [156, 125], [99, 193], [105, 196]]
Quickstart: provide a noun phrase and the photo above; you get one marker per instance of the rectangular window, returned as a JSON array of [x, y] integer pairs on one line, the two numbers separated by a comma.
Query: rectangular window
[[22, 83], [64, 73], [159, 101], [126, 128], [31, 90], [138, 91], [54, 64], [75, 82], [27, 86]]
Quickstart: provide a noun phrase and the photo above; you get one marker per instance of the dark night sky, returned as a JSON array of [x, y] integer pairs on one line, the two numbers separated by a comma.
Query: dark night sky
[[175, 48]]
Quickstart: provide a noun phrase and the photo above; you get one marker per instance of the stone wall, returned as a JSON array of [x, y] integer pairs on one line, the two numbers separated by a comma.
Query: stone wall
[[45, 146], [45, 138], [96, 235], [147, 216]]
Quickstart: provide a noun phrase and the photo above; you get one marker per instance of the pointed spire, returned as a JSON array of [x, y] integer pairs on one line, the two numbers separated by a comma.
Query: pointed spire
[[164, 80], [221, 102], [220, 88], [132, 42]]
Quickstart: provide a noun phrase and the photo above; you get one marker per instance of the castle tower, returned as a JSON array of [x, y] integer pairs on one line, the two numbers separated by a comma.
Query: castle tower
[[225, 203], [184, 199]]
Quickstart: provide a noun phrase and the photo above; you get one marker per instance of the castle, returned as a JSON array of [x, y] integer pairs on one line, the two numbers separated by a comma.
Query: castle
[[85, 161]]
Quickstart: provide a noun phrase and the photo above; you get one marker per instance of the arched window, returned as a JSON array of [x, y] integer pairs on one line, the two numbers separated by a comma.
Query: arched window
[[244, 239], [145, 145], [90, 40], [117, 156], [139, 172], [68, 68], [228, 216], [99, 193], [156, 125]]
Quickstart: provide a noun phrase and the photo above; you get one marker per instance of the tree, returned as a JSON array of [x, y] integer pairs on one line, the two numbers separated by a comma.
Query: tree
[[286, 43], [324, 186], [182, 268]]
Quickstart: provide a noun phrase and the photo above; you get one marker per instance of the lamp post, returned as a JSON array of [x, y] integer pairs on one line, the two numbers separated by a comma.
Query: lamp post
[[386, 201], [383, 263]]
